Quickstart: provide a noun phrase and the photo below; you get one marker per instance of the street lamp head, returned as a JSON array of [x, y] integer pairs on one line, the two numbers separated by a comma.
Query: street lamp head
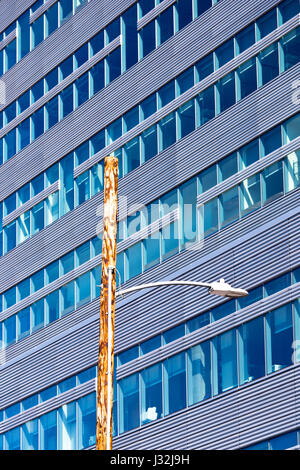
[[226, 290]]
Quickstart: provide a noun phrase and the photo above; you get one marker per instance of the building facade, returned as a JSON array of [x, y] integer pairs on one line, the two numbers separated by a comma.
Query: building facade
[[200, 101]]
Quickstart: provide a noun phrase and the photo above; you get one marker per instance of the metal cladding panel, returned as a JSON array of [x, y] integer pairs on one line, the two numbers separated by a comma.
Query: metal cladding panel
[[98, 13], [70, 344], [202, 147], [229, 421], [125, 92]]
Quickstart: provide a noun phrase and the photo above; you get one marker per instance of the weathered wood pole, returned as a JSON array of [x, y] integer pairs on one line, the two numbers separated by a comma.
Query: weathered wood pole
[[107, 308]]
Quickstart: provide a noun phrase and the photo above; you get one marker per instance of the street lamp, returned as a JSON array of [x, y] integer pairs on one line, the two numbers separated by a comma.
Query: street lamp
[[107, 304]]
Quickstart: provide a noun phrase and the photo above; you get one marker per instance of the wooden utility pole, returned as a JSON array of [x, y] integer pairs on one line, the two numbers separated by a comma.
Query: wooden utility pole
[[107, 308]]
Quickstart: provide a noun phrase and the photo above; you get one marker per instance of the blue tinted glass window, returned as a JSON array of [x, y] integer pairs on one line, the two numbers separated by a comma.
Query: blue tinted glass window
[[66, 97], [23, 194], [67, 384], [285, 441], [206, 106], [149, 143], [129, 355], [87, 375], [37, 218], [226, 90], [52, 272], [98, 142], [83, 284], [204, 67], [37, 120], [87, 418], [229, 206], [10, 297], [52, 307], [37, 314], [167, 127], [279, 338], [250, 194], [48, 431], [271, 140], [134, 261], [228, 167], [113, 30], [12, 439], [129, 19], [37, 281], [269, 65], [51, 79], [225, 362], [12, 410], [97, 75], [48, 393], [10, 237], [148, 106], [66, 10], [290, 48], [52, 174], [10, 112], [67, 263], [151, 250], [175, 383], [37, 185], [174, 333], [166, 94], [83, 188], [146, 6], [97, 43], [51, 19], [185, 12], [10, 204], [251, 350], [151, 393], [30, 402], [66, 68], [267, 23], [223, 310], [277, 284], [224, 53], [10, 330], [23, 102], [129, 416], [81, 55], [186, 115], [208, 179], [37, 30], [202, 6], [131, 155], [131, 119], [10, 54], [247, 81], [114, 64], [296, 275], [10, 144], [245, 38], [67, 298], [82, 89], [209, 222], [199, 373], [23, 323], [272, 182], [288, 9], [30, 436], [150, 345], [170, 240], [37, 91], [166, 25], [24, 134], [23, 34], [185, 81], [82, 153], [24, 289], [291, 128], [114, 131], [254, 295], [147, 36], [249, 153], [36, 5], [83, 253], [198, 322]]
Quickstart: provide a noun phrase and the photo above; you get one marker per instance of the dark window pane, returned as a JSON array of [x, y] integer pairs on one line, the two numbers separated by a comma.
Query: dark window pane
[[207, 179], [202, 6], [51, 79], [185, 81], [209, 222], [272, 182], [131, 155], [252, 350], [82, 89], [66, 68], [228, 166], [269, 66], [226, 89], [114, 64], [278, 284], [51, 19], [67, 101], [166, 25], [198, 322], [149, 143], [37, 121], [229, 206], [146, 6], [223, 310], [249, 153], [147, 35], [167, 131], [175, 383], [51, 112], [247, 81], [186, 114], [166, 94], [174, 333], [288, 9], [81, 55], [226, 361], [280, 338], [271, 140], [66, 10], [129, 19], [131, 119], [37, 91], [148, 106], [97, 75], [97, 43], [206, 104], [291, 48], [185, 12], [267, 23], [37, 30], [10, 144], [98, 142], [204, 67], [23, 102], [128, 355], [284, 442], [224, 53], [245, 38], [24, 134], [254, 296], [113, 30]]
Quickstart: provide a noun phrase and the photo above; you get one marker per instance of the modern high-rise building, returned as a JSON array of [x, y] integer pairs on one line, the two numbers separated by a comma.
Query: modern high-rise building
[[200, 101]]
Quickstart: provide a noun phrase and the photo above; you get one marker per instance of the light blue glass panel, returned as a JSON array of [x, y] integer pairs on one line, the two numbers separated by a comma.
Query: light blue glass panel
[[67, 192], [151, 394], [209, 218], [37, 315], [23, 289], [52, 208], [167, 134], [228, 166], [131, 155], [67, 263], [271, 141], [250, 194], [52, 272], [30, 435], [82, 89], [9, 331], [149, 143], [48, 431], [170, 240], [30, 402], [48, 393], [207, 179], [52, 307], [272, 182], [23, 323], [10, 144], [174, 383], [223, 310], [151, 250], [12, 410], [246, 79], [9, 237], [229, 206], [87, 375], [279, 338], [254, 295], [12, 439], [251, 350], [290, 44], [83, 289], [10, 297], [174, 333], [134, 261], [97, 178], [83, 188], [114, 131], [198, 322], [67, 384], [87, 420], [224, 53], [277, 284], [199, 373], [128, 355], [186, 119], [266, 24], [129, 415], [37, 218], [131, 119], [83, 253], [148, 106], [226, 92], [292, 173], [206, 106], [67, 298], [51, 117], [150, 345], [225, 362], [67, 427], [120, 268], [37, 281], [292, 128], [249, 153], [97, 142]]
